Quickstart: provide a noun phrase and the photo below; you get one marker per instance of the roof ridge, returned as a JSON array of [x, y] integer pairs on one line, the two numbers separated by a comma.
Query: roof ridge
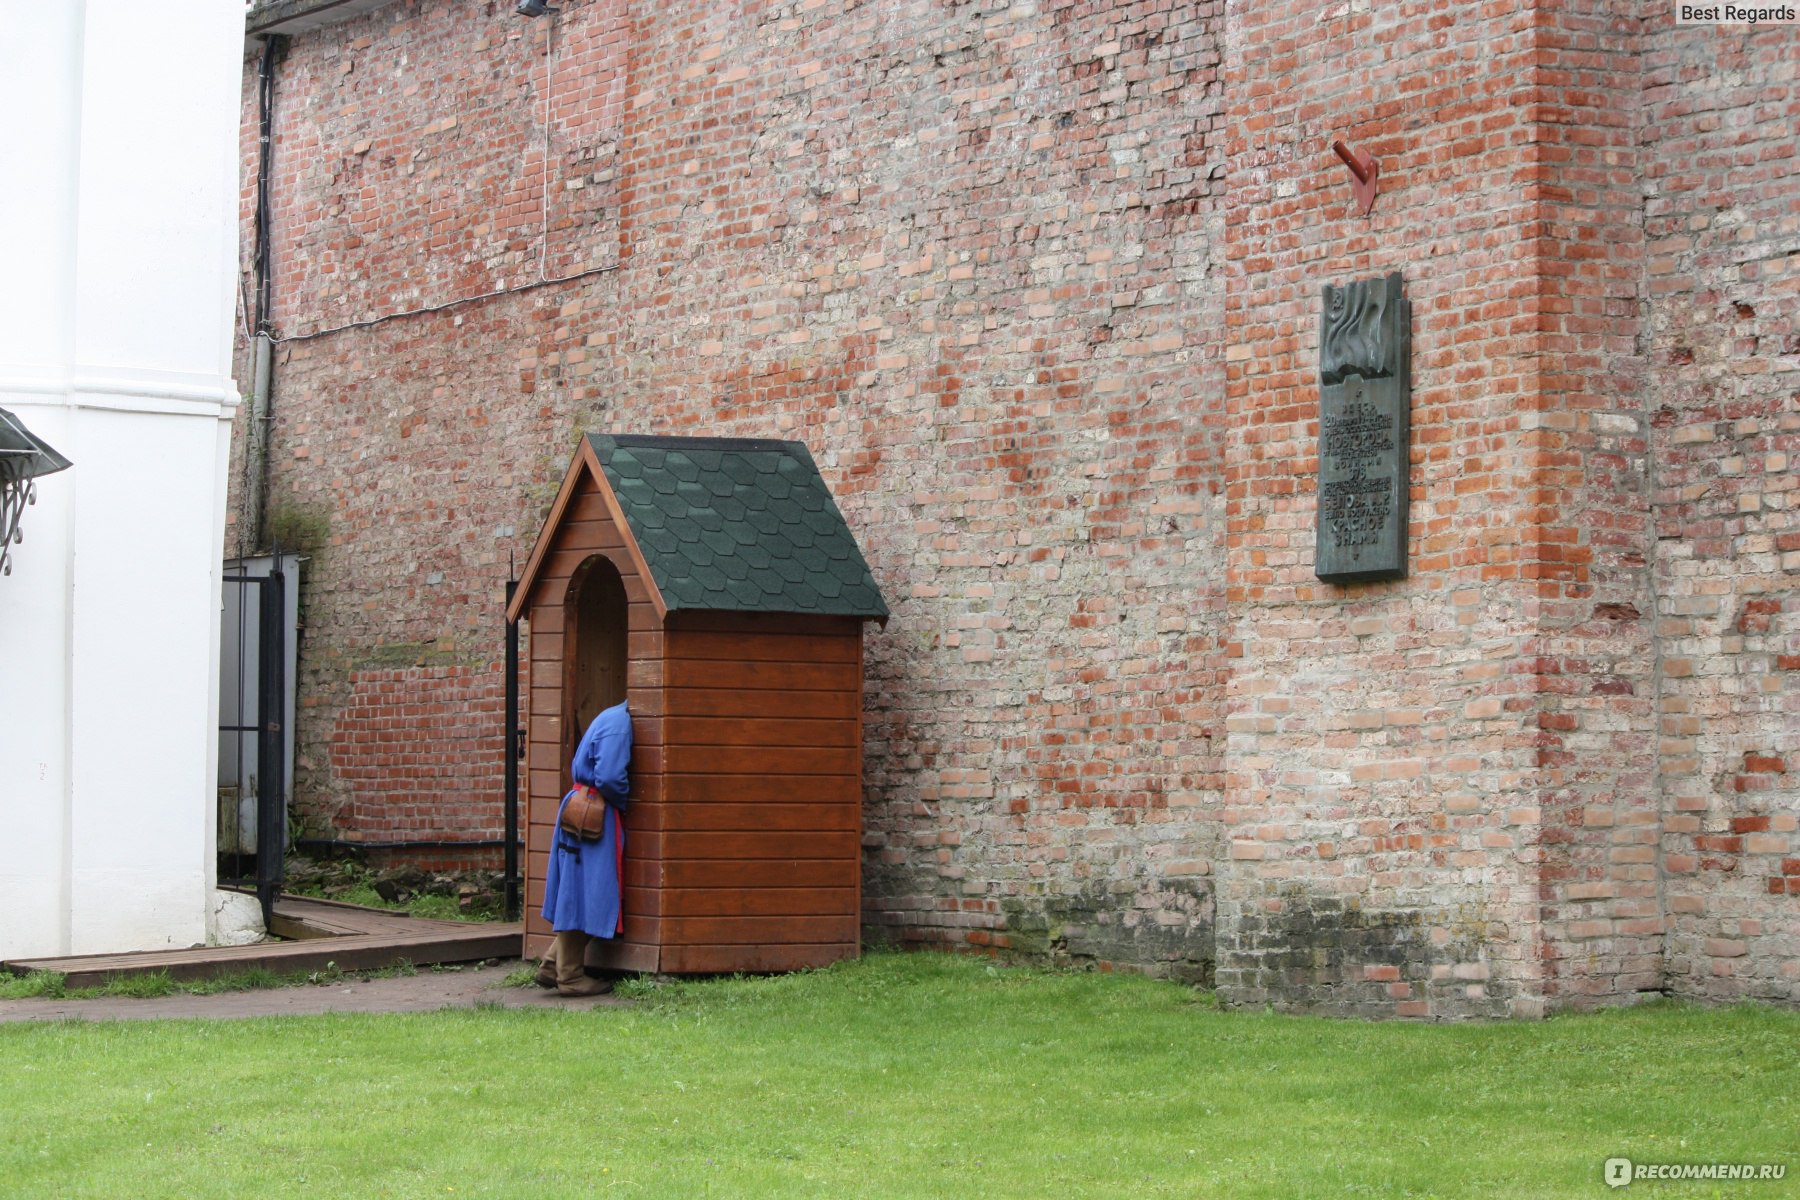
[[630, 441]]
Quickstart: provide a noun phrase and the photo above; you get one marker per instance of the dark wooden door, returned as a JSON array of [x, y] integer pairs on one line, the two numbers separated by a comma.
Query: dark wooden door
[[597, 624]]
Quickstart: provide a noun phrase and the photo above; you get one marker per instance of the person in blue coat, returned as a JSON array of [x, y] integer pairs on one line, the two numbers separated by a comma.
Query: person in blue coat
[[581, 887]]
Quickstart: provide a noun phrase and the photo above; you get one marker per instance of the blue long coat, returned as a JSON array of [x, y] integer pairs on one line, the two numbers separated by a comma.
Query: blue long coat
[[581, 888]]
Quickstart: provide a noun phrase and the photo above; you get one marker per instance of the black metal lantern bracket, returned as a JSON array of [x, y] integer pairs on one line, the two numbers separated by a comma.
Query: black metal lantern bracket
[[23, 457]]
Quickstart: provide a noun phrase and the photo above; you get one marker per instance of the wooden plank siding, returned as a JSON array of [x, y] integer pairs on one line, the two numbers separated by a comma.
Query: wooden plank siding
[[587, 530], [761, 825], [718, 960]]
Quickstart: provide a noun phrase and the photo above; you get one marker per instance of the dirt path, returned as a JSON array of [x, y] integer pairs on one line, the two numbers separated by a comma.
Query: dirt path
[[427, 991]]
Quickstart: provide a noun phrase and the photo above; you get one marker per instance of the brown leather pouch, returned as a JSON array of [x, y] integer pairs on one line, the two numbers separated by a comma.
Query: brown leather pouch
[[584, 814]]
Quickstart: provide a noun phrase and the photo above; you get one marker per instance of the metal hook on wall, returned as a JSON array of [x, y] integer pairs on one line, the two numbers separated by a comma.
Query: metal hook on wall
[[1365, 169]]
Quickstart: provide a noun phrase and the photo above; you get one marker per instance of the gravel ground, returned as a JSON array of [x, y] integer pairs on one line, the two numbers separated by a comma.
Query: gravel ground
[[427, 991]]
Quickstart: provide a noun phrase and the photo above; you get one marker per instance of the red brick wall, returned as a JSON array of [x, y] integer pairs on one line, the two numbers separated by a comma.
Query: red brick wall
[[413, 159], [1382, 776], [1591, 660], [418, 750], [1722, 328], [969, 256], [1039, 286]]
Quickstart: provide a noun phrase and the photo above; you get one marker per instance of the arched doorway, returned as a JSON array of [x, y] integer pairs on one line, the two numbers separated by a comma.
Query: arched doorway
[[596, 621]]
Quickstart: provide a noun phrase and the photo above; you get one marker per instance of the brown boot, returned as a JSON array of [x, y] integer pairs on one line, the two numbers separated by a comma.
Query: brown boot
[[546, 972], [572, 978]]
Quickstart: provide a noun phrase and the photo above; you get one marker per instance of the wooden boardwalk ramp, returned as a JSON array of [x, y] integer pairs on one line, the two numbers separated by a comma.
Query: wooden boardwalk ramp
[[321, 933]]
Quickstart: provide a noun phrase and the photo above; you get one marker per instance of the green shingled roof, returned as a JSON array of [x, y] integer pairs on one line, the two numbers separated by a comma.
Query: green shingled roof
[[737, 523]]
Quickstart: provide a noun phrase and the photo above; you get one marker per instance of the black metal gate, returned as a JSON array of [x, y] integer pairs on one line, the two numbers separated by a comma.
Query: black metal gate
[[252, 734]]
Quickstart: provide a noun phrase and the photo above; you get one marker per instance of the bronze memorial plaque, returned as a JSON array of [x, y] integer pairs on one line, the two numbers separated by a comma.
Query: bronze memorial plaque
[[1365, 428]]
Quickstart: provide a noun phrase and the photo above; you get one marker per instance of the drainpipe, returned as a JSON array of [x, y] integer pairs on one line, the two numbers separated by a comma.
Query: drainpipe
[[262, 415], [256, 461], [515, 748]]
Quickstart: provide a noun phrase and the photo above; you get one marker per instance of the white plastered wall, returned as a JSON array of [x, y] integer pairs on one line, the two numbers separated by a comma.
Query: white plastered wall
[[119, 136]]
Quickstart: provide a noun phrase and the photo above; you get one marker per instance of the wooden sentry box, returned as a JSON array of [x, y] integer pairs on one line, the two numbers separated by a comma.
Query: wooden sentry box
[[713, 583]]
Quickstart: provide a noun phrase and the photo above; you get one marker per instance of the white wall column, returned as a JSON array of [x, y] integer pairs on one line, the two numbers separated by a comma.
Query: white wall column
[[119, 131]]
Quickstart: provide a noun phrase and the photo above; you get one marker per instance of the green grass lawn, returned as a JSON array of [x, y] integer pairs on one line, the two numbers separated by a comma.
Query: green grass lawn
[[900, 1075]]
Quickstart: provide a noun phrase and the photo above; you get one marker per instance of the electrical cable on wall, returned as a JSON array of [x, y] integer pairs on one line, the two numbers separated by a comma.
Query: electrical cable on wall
[[544, 277], [256, 301]]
